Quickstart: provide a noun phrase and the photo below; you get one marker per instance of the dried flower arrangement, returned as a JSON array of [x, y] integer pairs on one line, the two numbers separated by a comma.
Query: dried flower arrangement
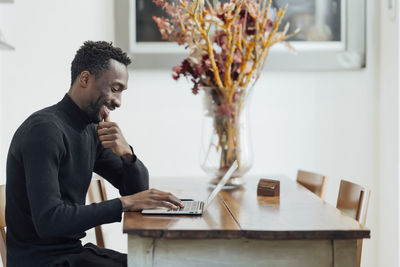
[[228, 43]]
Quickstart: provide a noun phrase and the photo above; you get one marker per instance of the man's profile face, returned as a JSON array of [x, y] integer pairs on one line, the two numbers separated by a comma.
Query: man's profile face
[[106, 91]]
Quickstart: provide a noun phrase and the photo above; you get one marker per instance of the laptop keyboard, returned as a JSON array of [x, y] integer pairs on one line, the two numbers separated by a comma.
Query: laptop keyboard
[[190, 206]]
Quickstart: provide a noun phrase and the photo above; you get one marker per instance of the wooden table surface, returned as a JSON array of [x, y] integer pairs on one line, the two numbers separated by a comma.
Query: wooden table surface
[[297, 214]]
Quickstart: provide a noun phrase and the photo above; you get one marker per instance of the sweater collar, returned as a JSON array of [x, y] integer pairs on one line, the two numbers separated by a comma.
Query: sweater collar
[[78, 117]]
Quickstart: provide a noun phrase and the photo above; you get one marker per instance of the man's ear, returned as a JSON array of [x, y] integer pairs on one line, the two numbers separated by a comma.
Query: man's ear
[[84, 79]]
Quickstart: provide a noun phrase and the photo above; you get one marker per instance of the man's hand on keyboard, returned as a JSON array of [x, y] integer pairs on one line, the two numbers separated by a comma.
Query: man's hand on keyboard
[[150, 199]]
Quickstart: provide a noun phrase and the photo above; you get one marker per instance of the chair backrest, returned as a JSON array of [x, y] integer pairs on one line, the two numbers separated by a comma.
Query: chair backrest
[[3, 247], [97, 193], [312, 181], [353, 200]]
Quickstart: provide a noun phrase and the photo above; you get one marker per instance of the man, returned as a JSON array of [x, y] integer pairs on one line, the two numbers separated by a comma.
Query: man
[[51, 160]]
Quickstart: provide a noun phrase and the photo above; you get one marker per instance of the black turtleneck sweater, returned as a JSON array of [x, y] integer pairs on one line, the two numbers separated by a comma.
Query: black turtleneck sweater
[[49, 168]]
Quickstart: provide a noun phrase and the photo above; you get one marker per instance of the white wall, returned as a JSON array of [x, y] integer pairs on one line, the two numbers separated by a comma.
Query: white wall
[[324, 122], [388, 231], [2, 167]]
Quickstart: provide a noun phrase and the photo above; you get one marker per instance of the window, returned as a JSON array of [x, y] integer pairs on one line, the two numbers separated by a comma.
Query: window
[[332, 35]]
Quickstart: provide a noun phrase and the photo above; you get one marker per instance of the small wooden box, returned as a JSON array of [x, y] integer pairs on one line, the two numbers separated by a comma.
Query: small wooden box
[[268, 187]]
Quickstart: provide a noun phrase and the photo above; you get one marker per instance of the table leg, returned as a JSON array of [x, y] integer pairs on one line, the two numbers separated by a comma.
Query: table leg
[[344, 253], [140, 251]]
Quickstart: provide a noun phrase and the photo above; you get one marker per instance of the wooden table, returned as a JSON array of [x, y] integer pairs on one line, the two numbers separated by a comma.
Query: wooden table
[[241, 229]]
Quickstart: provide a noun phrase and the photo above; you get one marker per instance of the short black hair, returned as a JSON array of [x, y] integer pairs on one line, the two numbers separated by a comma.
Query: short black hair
[[95, 57]]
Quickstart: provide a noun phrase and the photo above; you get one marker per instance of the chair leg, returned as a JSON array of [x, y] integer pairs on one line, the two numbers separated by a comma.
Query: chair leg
[[3, 247], [359, 249], [99, 236]]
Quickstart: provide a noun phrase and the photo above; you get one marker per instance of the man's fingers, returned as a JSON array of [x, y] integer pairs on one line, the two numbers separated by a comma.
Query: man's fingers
[[108, 144], [105, 131], [168, 197], [107, 118], [154, 204], [169, 205], [108, 137], [173, 199], [107, 124]]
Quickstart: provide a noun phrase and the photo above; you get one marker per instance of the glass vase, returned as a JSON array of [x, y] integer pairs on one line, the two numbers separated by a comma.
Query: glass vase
[[226, 135]]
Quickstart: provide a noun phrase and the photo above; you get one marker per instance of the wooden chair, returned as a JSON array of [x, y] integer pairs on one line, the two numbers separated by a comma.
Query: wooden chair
[[353, 200], [3, 247], [97, 193], [312, 181]]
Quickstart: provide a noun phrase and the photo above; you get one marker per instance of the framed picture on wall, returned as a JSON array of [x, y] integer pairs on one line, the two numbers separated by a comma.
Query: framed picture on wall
[[331, 37]]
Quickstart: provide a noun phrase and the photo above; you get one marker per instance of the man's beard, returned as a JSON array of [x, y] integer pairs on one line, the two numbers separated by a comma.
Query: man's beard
[[93, 110]]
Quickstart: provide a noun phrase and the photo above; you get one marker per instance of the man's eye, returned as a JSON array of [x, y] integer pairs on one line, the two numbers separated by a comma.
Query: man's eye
[[113, 89]]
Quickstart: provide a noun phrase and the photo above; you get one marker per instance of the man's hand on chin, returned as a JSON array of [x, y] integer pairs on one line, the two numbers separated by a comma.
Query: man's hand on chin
[[110, 136]]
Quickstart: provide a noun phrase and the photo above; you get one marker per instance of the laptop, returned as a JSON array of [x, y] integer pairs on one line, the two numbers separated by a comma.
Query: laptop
[[194, 207]]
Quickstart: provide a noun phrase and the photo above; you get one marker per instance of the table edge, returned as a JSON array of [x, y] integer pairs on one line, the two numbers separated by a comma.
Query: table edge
[[251, 234]]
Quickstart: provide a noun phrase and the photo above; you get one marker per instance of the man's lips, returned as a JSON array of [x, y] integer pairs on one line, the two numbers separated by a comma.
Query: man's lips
[[109, 106]]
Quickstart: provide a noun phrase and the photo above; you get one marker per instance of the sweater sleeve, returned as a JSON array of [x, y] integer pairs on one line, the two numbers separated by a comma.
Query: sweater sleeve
[[42, 152], [129, 178]]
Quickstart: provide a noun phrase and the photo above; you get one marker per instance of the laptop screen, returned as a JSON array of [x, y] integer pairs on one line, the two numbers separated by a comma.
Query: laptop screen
[[221, 183]]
